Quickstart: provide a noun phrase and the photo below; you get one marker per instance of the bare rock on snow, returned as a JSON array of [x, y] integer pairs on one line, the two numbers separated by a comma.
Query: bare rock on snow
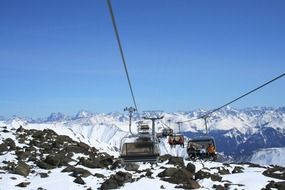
[[22, 169], [79, 180], [179, 176], [23, 184], [132, 167], [191, 167], [238, 169], [275, 185], [275, 172], [116, 180]]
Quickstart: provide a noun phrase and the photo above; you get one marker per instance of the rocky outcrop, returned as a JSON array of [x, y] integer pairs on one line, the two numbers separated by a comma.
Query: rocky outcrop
[[238, 169], [22, 169], [275, 185], [116, 180], [275, 172], [79, 180], [48, 150], [191, 168], [80, 172], [179, 176], [132, 167], [23, 184]]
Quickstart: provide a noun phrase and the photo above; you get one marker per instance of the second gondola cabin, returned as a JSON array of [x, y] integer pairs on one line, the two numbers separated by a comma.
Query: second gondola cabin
[[137, 149], [200, 148]]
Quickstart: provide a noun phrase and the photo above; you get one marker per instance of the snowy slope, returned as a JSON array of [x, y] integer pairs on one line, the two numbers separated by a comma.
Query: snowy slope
[[275, 156], [206, 175]]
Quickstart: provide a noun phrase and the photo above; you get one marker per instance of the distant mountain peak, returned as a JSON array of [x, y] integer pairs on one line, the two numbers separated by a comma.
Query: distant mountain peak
[[83, 114], [56, 116]]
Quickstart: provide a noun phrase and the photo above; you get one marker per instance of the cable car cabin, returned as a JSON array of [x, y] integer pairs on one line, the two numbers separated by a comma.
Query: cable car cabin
[[202, 148], [167, 132], [144, 131], [140, 150], [144, 127], [176, 139]]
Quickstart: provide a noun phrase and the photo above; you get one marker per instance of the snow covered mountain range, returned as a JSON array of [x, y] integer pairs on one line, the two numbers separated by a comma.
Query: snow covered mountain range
[[238, 132], [81, 152]]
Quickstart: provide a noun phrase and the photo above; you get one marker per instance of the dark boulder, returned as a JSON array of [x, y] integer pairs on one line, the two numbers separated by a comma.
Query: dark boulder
[[50, 133], [65, 161], [275, 172], [43, 165], [122, 177], [202, 175], [107, 161], [252, 165], [116, 164], [53, 160], [238, 169], [83, 146], [191, 185], [99, 175], [20, 129], [79, 180], [191, 168], [68, 169], [80, 172], [148, 173], [3, 148], [10, 166], [216, 177], [32, 158], [61, 139], [23, 184], [95, 163], [179, 176], [22, 169], [10, 143], [117, 180], [76, 149], [38, 135], [22, 155], [218, 187], [275, 185], [110, 183], [223, 171], [43, 175], [132, 167]]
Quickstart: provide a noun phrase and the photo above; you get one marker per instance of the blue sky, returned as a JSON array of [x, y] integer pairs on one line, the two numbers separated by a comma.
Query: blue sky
[[182, 55]]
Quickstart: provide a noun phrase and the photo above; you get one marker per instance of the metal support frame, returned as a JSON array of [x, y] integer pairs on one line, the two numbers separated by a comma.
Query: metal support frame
[[153, 119], [131, 110], [206, 125], [179, 126]]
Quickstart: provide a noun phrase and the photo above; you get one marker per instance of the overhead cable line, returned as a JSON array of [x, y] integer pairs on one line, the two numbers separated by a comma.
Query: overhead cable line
[[236, 99], [121, 52]]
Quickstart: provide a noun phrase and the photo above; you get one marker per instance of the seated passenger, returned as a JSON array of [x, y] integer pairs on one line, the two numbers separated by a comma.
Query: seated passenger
[[181, 141], [211, 150], [191, 152], [170, 141], [203, 152]]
